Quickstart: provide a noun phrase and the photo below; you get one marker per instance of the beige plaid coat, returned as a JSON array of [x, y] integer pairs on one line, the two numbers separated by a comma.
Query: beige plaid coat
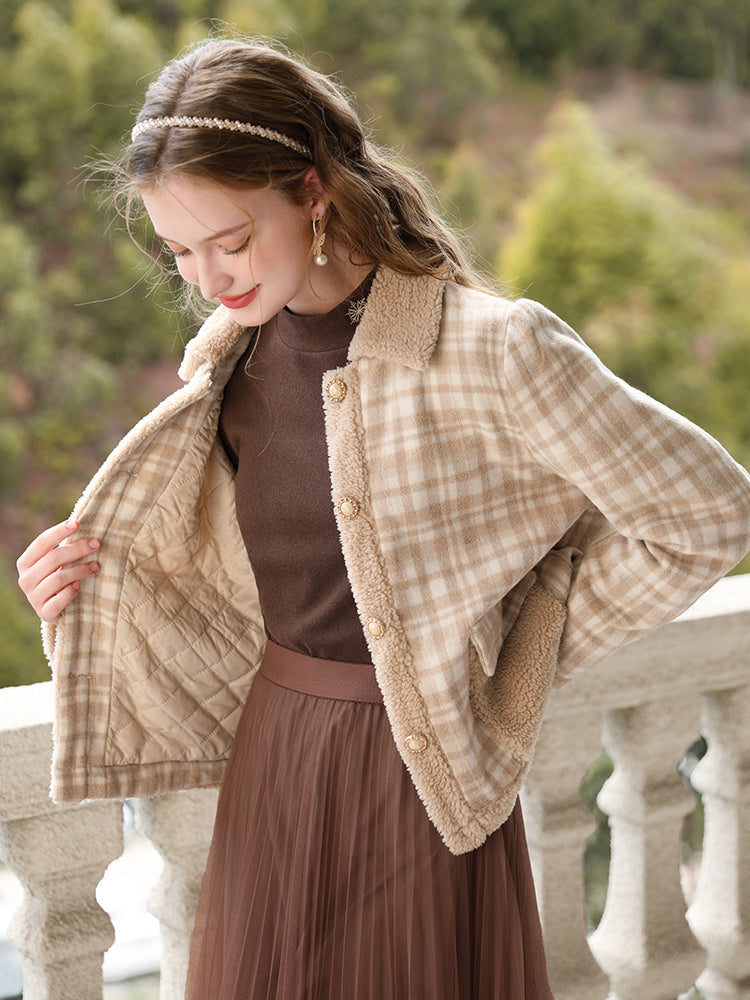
[[509, 513]]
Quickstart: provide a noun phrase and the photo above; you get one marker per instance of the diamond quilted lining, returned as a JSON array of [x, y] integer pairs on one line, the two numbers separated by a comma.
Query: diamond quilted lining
[[189, 631]]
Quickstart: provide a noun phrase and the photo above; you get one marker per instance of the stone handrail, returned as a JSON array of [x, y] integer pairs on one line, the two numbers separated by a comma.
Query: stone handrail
[[645, 704]]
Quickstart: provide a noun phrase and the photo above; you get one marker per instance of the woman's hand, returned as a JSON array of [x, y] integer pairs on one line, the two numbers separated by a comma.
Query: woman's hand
[[50, 574]]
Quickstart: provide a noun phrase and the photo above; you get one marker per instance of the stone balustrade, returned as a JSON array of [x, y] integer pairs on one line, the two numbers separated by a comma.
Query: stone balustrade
[[646, 705], [60, 853]]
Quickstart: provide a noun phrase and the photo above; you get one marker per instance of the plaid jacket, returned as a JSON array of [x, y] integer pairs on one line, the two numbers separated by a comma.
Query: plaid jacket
[[509, 512]]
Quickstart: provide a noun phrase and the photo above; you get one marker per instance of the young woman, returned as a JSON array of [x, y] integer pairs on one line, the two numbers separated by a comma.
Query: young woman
[[388, 511]]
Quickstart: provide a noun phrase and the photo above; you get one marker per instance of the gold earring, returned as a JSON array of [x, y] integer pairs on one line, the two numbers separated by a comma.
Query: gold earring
[[319, 239]]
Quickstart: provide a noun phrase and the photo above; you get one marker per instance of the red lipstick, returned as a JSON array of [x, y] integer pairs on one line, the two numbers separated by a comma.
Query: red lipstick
[[238, 301]]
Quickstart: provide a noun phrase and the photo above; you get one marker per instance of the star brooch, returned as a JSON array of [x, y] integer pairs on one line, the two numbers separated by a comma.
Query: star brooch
[[356, 310]]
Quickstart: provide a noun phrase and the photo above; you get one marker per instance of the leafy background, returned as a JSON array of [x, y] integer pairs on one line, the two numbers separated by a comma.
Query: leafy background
[[595, 152]]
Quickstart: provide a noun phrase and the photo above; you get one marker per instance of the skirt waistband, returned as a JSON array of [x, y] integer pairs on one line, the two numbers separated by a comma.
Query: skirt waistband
[[322, 678]]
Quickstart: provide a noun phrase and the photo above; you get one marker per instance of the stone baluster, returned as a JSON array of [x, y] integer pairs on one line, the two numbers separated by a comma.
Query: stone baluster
[[60, 930], [557, 825], [720, 913], [643, 942], [58, 853], [180, 827]]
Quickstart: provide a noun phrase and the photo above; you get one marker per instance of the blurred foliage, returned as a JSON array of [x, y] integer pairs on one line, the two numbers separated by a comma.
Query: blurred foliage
[[543, 36], [657, 286], [597, 850], [426, 87], [703, 38], [22, 660], [143, 988]]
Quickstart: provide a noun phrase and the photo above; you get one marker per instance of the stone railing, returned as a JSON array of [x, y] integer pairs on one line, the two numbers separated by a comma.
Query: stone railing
[[60, 853], [646, 705]]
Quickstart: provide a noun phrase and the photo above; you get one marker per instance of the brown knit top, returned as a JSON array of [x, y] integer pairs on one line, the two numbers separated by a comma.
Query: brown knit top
[[272, 427]]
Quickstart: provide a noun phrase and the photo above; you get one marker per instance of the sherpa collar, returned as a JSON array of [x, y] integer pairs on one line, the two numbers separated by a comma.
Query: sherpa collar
[[400, 323], [401, 320]]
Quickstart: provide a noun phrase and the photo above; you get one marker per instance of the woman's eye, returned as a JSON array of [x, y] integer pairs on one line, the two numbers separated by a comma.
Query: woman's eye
[[174, 253], [239, 249]]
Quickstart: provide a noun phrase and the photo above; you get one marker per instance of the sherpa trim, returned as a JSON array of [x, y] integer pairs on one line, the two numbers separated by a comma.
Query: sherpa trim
[[402, 320]]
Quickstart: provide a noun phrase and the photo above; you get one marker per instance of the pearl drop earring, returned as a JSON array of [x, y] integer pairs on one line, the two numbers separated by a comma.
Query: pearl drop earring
[[319, 239]]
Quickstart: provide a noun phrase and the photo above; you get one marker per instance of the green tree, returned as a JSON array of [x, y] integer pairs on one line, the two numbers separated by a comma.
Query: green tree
[[70, 76], [22, 660], [546, 36], [708, 39], [659, 289], [704, 38], [417, 64], [71, 86]]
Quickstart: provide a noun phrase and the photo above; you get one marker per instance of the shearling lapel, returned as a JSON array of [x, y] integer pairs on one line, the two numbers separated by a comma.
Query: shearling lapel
[[212, 343], [401, 321]]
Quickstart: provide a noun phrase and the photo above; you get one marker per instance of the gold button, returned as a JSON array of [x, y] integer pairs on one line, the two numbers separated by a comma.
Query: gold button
[[336, 390], [375, 627], [416, 743], [348, 508]]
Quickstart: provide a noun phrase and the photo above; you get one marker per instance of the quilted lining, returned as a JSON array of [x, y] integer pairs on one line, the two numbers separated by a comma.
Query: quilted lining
[[185, 657]]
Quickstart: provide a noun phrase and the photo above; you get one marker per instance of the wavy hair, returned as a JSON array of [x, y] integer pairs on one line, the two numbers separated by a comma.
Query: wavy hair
[[380, 212]]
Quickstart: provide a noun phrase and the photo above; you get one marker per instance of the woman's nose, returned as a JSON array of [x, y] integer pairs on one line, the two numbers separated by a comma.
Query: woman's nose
[[212, 279]]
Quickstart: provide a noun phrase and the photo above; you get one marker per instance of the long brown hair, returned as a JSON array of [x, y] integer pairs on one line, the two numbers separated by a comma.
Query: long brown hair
[[381, 212]]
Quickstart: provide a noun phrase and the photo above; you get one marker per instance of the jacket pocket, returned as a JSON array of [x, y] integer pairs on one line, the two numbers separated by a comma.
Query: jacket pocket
[[555, 574], [510, 703], [489, 633]]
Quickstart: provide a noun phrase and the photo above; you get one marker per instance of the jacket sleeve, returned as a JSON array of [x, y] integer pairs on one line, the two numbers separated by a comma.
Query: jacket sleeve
[[677, 503]]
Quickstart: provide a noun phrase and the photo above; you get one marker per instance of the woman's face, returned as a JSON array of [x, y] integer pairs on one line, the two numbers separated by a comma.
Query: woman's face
[[248, 249]]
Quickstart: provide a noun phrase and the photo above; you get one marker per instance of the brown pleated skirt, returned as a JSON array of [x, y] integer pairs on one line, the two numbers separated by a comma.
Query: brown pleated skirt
[[326, 880]]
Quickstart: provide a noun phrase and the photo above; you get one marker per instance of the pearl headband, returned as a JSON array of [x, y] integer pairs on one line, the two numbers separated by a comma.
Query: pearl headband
[[220, 123]]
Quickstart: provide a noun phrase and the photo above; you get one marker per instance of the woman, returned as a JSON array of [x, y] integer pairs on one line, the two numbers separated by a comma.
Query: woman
[[368, 594]]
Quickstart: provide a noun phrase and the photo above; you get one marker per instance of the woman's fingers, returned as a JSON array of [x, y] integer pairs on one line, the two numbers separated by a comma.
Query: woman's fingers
[[43, 543], [58, 589], [49, 573], [40, 561]]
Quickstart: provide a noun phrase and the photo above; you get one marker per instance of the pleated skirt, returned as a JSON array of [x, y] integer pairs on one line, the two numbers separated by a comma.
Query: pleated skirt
[[327, 881]]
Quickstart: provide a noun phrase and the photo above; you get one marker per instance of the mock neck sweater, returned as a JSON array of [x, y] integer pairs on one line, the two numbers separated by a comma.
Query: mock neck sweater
[[272, 427]]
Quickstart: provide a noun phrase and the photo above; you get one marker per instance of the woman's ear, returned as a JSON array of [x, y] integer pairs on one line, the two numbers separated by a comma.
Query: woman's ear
[[314, 195]]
